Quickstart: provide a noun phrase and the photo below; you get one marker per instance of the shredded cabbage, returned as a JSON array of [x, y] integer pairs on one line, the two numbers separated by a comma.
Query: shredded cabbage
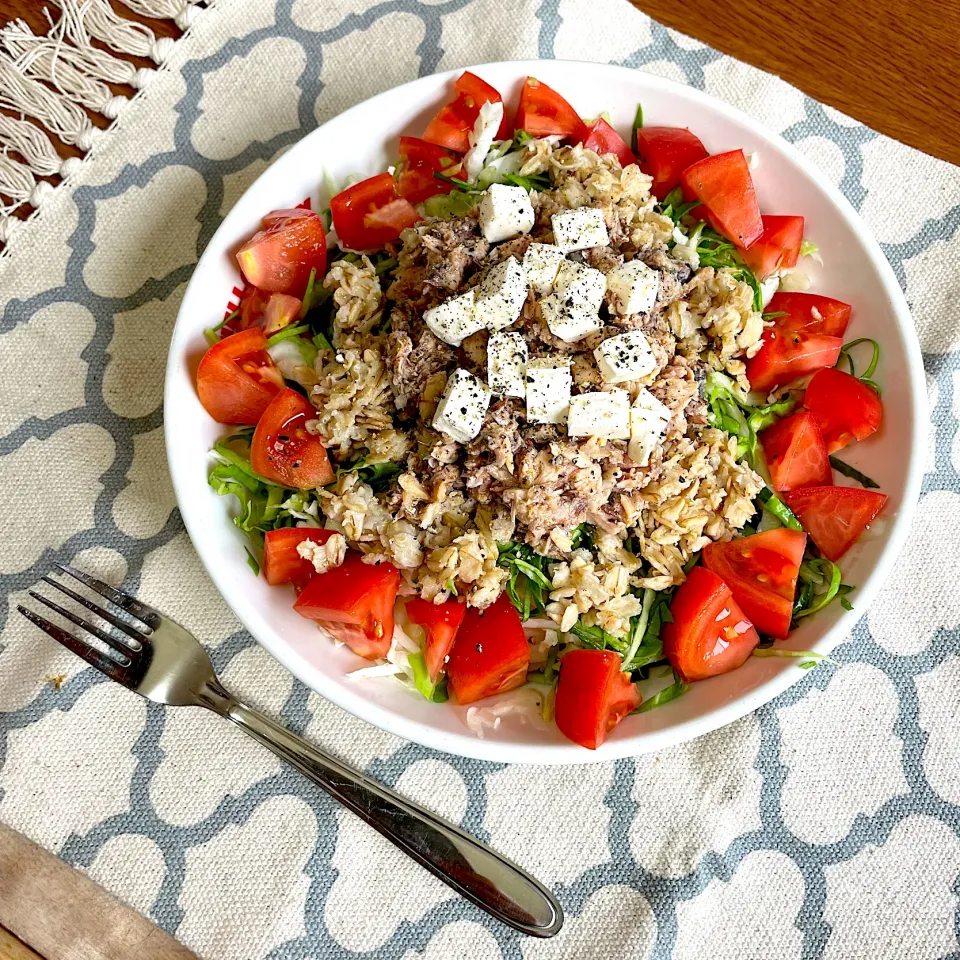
[[500, 167], [768, 288], [454, 204], [481, 138], [292, 353], [526, 703]]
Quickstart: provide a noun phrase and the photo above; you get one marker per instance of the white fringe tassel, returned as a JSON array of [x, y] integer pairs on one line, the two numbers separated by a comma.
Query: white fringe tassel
[[27, 139], [24, 95], [52, 78], [96, 18], [62, 65], [181, 12]]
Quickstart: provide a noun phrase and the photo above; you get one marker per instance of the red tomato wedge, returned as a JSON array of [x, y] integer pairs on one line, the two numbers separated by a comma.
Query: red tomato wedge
[[593, 696], [778, 247], [236, 379], [709, 634], [440, 621], [811, 313], [761, 572], [281, 310], [603, 139], [281, 562], [845, 408], [283, 451], [835, 516], [664, 153], [491, 653], [280, 257], [370, 213], [786, 355], [258, 308], [354, 602], [795, 452], [543, 113], [419, 161], [723, 185], [451, 127]]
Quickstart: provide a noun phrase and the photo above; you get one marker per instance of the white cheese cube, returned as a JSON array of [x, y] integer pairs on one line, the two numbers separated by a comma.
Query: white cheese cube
[[579, 229], [455, 319], [581, 283], [548, 391], [649, 419], [603, 414], [505, 212], [633, 287], [627, 356], [541, 263], [501, 294], [462, 407], [507, 364], [568, 319]]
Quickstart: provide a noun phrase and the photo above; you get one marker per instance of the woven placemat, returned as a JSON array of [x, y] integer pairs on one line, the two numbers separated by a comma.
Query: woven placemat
[[823, 825]]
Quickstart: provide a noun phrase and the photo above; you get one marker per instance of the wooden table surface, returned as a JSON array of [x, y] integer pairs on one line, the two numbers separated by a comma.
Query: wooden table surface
[[889, 65]]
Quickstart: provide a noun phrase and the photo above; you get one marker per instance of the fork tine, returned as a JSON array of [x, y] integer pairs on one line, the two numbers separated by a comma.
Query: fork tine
[[81, 648], [135, 636], [141, 611], [101, 635]]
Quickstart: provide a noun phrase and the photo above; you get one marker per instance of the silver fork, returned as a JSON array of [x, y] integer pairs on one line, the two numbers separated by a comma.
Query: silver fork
[[155, 657]]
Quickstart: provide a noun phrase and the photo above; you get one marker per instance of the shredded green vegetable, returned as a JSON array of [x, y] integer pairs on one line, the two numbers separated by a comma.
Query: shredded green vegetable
[[461, 185], [287, 333], [846, 352], [775, 506], [637, 124], [528, 586], [540, 181], [808, 248], [712, 249], [308, 297], [811, 658], [263, 505], [820, 584], [434, 692], [638, 631], [450, 204], [379, 476], [212, 334], [731, 411], [676, 689], [581, 536], [853, 473]]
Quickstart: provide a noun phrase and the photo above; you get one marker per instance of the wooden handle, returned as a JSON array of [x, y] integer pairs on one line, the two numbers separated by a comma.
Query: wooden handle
[[13, 949], [60, 914]]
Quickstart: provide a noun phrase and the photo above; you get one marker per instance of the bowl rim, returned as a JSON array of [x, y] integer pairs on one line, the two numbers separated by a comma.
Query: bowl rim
[[466, 743]]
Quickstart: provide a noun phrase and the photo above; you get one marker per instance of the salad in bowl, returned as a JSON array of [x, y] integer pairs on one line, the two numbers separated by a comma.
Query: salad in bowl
[[545, 413]]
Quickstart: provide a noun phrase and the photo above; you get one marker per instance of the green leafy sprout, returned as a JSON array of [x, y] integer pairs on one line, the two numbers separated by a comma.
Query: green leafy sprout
[[637, 125], [846, 354], [712, 249], [853, 473], [731, 411]]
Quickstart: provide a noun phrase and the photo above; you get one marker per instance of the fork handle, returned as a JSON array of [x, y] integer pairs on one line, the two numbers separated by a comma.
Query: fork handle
[[483, 876]]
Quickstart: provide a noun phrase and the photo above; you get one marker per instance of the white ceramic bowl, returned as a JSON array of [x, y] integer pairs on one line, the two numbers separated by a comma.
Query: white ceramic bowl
[[363, 141]]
